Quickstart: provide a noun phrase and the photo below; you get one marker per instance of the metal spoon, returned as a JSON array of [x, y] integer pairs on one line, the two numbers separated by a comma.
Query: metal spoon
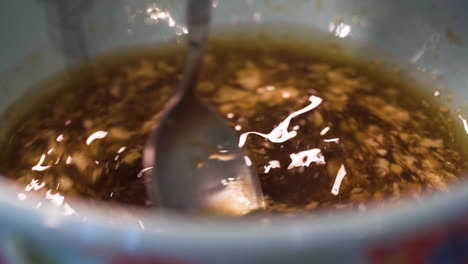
[[197, 164]]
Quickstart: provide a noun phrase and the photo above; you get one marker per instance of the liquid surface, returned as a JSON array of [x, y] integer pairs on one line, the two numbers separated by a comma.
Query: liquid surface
[[321, 131]]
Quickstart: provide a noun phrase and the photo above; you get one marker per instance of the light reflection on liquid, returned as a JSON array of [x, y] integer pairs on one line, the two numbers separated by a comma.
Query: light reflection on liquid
[[248, 161], [59, 138], [305, 158], [465, 123], [339, 178], [96, 135], [335, 140], [144, 171], [53, 197], [122, 149], [39, 166], [155, 14], [272, 164], [281, 133], [324, 131], [340, 30], [34, 185]]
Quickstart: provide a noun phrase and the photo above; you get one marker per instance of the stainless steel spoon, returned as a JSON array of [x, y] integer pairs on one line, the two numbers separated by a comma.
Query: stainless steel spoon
[[197, 164]]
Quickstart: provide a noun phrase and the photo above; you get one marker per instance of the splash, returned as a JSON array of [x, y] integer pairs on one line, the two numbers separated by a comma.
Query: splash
[[281, 133]]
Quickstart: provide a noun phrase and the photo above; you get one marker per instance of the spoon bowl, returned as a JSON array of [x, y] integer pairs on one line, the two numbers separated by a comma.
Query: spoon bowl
[[197, 163]]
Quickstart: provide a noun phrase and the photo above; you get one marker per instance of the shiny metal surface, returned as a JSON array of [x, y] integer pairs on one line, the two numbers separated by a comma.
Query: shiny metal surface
[[197, 164]]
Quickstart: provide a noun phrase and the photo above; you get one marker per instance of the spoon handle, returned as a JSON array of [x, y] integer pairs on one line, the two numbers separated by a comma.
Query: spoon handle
[[198, 20]]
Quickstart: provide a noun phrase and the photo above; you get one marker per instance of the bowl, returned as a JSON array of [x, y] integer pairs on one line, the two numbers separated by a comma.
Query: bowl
[[42, 38]]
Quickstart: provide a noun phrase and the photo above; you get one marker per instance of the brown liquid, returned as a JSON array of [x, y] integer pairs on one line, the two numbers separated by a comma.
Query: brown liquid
[[392, 141]]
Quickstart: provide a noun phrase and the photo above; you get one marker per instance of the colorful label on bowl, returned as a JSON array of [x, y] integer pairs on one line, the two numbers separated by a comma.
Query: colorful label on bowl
[[442, 244]]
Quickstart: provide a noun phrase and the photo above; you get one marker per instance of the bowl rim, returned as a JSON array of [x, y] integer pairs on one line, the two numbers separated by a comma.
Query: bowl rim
[[100, 223]]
